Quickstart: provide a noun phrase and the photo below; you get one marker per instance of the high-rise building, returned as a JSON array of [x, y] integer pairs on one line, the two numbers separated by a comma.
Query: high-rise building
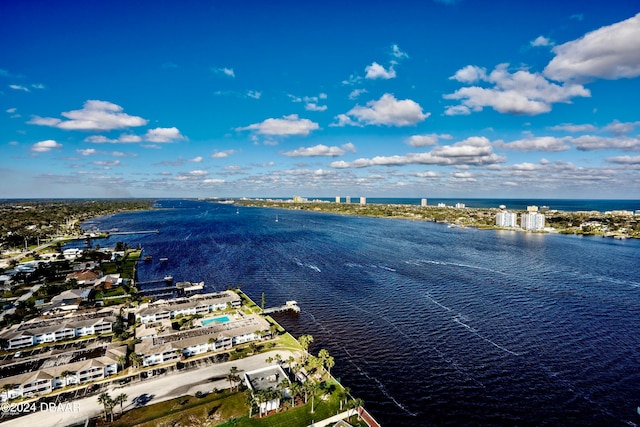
[[363, 201], [460, 205], [506, 219], [348, 199], [532, 221], [532, 208], [423, 202], [337, 199]]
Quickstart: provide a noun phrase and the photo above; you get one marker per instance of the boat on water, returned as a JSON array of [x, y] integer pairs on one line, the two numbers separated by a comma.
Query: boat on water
[[147, 258], [164, 259], [276, 218], [168, 278]]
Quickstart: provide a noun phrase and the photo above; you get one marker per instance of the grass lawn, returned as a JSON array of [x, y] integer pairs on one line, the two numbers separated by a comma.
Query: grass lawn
[[288, 342], [225, 409], [212, 407]]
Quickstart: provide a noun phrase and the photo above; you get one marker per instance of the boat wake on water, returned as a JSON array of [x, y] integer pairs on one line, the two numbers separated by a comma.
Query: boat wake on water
[[458, 319], [381, 386]]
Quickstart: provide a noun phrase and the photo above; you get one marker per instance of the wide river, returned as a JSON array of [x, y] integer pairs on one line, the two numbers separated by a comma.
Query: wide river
[[429, 325]]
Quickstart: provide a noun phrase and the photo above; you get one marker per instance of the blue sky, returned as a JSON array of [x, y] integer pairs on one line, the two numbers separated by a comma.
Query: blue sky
[[378, 99]]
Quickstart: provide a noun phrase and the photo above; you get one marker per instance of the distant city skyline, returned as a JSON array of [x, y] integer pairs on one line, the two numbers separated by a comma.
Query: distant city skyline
[[434, 99]]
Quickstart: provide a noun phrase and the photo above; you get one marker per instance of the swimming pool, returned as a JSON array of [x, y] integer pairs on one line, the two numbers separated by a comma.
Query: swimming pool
[[222, 319]]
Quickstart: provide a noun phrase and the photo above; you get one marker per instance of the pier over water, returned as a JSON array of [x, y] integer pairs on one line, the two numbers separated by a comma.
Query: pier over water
[[288, 306]]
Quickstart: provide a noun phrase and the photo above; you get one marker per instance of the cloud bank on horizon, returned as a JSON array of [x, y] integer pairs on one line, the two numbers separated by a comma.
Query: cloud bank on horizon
[[442, 99]]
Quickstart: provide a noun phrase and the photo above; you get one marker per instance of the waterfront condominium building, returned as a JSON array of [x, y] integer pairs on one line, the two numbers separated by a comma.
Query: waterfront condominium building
[[363, 201], [532, 221], [423, 202], [506, 219]]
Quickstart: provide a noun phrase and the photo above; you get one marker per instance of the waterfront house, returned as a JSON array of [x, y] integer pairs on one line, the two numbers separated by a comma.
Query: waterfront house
[[265, 379]]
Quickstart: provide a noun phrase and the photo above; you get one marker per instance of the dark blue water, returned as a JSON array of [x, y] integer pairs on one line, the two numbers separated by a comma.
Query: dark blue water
[[429, 325]]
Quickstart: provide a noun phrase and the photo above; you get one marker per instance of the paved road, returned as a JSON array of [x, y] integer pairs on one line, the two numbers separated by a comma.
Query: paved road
[[158, 389]]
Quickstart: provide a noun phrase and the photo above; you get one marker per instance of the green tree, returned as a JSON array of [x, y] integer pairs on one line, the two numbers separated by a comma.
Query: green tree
[[233, 377], [105, 400], [64, 375], [135, 360], [250, 400], [304, 341], [120, 399], [311, 388]]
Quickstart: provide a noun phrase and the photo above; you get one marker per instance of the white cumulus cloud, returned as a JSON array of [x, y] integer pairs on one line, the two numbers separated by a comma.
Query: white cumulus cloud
[[387, 111], [425, 140], [224, 71], [521, 92], [396, 52], [164, 135], [474, 150], [222, 154], [542, 143], [122, 139], [377, 71], [321, 150], [95, 115], [610, 52], [541, 41], [286, 126], [596, 142], [45, 146], [624, 160]]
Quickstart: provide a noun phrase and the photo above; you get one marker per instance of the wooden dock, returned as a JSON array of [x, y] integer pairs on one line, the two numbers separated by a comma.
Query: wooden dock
[[288, 306]]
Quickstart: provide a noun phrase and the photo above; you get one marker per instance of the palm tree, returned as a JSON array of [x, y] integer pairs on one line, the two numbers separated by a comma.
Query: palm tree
[[344, 394], [122, 361], [357, 403], [105, 400], [250, 400], [233, 376], [329, 363], [304, 341], [283, 386], [7, 387], [312, 388], [64, 374], [135, 360], [323, 354], [121, 398], [295, 391], [273, 329]]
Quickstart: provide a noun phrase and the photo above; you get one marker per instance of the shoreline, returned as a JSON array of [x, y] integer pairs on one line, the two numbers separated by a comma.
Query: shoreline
[[478, 218]]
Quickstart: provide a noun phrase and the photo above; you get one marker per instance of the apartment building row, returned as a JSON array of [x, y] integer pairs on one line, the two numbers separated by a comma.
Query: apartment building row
[[528, 221], [196, 304], [214, 337], [56, 329], [48, 379]]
